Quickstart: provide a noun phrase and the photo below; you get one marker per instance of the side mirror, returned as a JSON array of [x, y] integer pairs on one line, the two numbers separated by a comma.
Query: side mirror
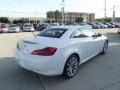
[[95, 36], [82, 36], [99, 35]]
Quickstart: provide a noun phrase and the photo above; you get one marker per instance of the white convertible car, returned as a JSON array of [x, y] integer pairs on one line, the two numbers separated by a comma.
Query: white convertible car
[[59, 50]]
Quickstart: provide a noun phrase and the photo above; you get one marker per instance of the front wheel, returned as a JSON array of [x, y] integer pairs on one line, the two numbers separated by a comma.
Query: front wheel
[[71, 66], [105, 48]]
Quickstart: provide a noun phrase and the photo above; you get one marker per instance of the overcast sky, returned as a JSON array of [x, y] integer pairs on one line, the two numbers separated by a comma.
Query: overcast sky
[[28, 8]]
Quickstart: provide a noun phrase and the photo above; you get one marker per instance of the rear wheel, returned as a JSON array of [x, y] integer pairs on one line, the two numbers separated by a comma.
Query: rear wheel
[[71, 66], [105, 48]]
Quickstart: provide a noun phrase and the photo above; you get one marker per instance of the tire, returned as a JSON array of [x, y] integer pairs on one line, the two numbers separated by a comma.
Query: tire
[[118, 32], [105, 48], [71, 66]]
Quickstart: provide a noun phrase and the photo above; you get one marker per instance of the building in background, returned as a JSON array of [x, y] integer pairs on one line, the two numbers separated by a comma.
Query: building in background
[[71, 16], [50, 15]]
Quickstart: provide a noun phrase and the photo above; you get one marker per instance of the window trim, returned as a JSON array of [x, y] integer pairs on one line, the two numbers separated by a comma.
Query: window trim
[[79, 36], [92, 31], [54, 28]]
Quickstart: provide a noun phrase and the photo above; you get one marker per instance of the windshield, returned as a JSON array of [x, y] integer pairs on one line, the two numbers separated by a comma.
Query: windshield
[[13, 26], [28, 26], [52, 32]]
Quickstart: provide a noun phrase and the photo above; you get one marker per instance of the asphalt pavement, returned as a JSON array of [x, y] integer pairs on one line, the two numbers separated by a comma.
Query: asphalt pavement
[[100, 73]]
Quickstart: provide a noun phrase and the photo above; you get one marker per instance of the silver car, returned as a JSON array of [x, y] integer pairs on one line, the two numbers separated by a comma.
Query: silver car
[[28, 27], [13, 28]]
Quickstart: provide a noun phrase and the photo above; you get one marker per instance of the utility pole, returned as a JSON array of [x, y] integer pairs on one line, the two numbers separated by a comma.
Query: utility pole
[[29, 20], [36, 13], [113, 17], [105, 14], [63, 11]]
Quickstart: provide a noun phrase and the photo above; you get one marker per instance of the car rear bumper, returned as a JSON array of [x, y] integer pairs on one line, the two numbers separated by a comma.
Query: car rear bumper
[[13, 30], [45, 65]]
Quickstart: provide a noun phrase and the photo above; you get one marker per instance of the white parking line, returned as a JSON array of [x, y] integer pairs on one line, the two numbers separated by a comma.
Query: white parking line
[[112, 44]]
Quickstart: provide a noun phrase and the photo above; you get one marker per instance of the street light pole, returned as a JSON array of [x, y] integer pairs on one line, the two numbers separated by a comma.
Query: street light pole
[[63, 12], [105, 15], [113, 17]]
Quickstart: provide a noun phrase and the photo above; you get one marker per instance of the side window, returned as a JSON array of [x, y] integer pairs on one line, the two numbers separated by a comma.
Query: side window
[[77, 34], [88, 32]]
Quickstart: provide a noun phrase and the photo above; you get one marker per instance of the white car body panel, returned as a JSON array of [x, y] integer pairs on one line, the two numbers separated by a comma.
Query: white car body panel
[[86, 48], [80, 46]]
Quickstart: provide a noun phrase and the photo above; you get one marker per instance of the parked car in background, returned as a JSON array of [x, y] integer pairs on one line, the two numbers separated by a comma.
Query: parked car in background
[[117, 25], [21, 26], [113, 25], [28, 27], [70, 23], [108, 24], [1, 30], [13, 28], [35, 26], [41, 27], [52, 24], [102, 25], [91, 24], [83, 23], [4, 27], [97, 26], [59, 50]]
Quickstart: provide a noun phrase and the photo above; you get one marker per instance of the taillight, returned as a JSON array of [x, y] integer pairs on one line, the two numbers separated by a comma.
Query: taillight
[[18, 46], [45, 52]]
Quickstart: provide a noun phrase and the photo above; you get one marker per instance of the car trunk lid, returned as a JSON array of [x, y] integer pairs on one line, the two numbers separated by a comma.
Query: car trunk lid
[[30, 44]]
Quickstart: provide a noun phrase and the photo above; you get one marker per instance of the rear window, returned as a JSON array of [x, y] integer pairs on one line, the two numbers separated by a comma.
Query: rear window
[[53, 32], [13, 26], [28, 25]]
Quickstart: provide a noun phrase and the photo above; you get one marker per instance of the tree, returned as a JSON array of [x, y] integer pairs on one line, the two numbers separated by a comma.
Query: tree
[[18, 21], [57, 16], [107, 19], [99, 20], [25, 20], [31, 21], [48, 21], [104, 19], [53, 21], [4, 20], [79, 19], [15, 21]]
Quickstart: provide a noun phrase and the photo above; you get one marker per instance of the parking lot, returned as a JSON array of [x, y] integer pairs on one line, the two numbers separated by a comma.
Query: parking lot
[[100, 73]]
